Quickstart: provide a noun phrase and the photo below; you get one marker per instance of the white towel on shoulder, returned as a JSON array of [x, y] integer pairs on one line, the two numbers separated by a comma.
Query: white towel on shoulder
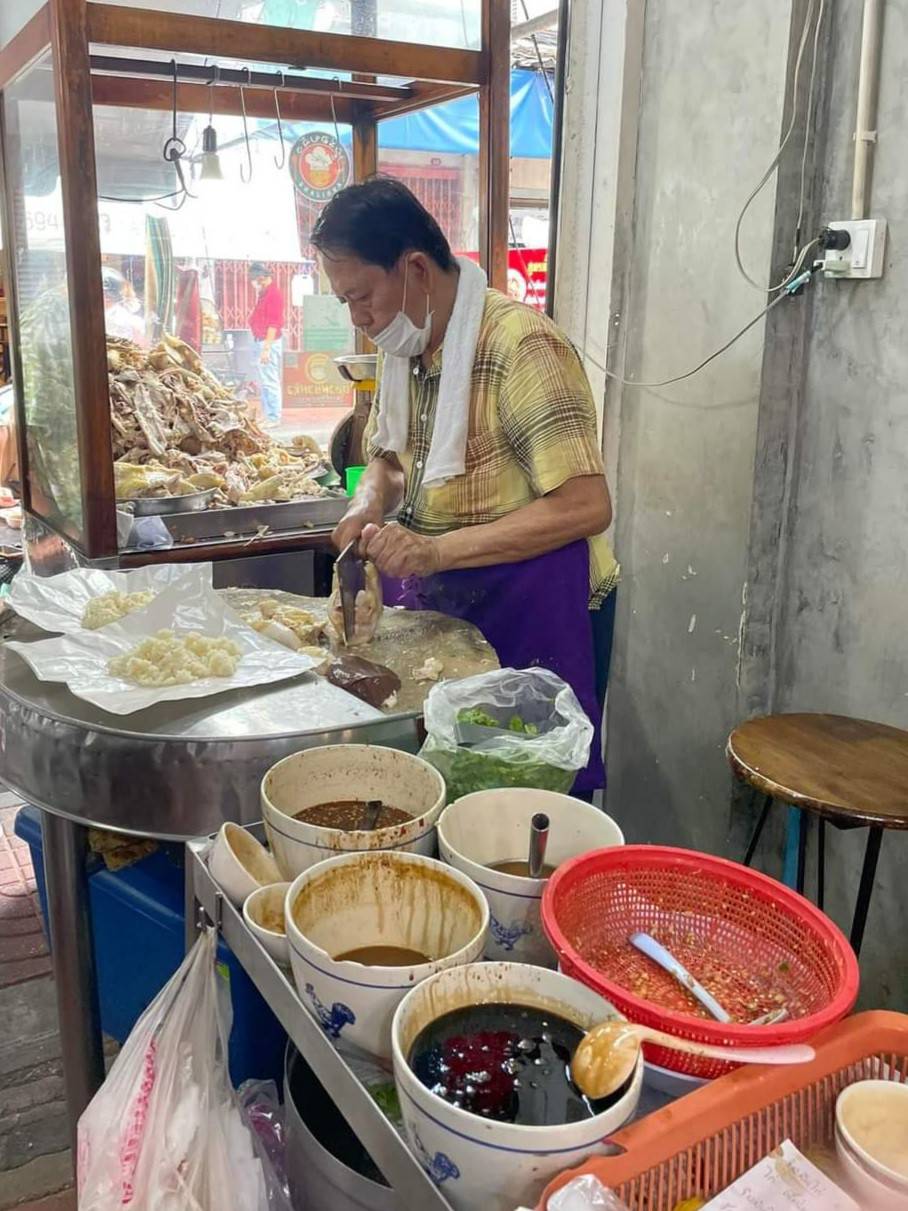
[[447, 450]]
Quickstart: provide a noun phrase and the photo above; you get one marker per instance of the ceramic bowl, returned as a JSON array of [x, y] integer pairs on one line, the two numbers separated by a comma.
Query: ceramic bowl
[[368, 899], [263, 912], [870, 1173], [239, 864], [478, 1162], [488, 827], [348, 771]]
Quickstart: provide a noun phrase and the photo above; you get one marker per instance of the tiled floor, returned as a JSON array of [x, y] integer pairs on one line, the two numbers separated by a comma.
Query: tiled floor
[[23, 948], [33, 1130]]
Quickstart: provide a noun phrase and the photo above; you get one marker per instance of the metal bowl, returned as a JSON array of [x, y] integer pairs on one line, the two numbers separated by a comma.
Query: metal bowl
[[190, 502], [357, 367]]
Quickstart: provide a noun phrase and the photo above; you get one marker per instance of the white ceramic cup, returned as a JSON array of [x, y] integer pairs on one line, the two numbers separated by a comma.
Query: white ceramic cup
[[488, 827], [873, 1182], [239, 864], [376, 899], [260, 912], [477, 1162], [348, 771]]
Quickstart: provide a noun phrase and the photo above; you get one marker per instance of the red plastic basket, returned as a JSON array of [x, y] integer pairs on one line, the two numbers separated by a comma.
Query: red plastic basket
[[740, 933]]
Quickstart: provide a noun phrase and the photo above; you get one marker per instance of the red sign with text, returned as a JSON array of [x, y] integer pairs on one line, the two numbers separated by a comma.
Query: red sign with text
[[527, 274]]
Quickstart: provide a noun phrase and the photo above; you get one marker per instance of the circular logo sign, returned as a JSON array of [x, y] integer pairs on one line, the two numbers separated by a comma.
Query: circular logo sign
[[319, 166]]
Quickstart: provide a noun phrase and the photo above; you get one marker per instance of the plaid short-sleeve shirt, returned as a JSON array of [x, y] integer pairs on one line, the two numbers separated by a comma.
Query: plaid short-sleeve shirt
[[532, 428]]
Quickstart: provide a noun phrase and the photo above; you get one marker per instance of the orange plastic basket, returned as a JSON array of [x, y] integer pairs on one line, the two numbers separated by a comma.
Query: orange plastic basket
[[754, 943], [707, 1140]]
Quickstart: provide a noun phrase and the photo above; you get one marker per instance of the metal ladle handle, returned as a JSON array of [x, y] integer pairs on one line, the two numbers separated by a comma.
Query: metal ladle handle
[[539, 839]]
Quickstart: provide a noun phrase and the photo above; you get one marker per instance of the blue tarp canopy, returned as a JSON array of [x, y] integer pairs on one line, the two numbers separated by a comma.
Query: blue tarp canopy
[[454, 126]]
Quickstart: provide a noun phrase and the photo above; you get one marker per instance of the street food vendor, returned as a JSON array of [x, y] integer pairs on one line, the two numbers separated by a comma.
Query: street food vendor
[[483, 438]]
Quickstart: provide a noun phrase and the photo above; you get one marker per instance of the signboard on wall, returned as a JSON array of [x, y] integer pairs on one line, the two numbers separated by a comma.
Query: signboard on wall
[[311, 380]]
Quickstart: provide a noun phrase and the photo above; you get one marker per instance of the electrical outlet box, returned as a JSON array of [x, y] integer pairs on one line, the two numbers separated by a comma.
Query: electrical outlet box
[[863, 258]]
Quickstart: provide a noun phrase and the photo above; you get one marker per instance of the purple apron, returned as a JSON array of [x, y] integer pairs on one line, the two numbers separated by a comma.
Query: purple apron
[[532, 613]]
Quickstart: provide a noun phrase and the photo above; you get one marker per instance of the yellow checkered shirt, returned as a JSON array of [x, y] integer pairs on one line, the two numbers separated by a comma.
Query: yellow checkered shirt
[[532, 428]]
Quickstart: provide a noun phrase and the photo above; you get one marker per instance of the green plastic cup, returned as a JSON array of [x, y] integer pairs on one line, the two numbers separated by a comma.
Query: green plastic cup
[[353, 476]]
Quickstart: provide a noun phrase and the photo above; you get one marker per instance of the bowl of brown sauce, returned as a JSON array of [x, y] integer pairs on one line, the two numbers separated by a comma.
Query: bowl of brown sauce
[[365, 928], [349, 797], [486, 836]]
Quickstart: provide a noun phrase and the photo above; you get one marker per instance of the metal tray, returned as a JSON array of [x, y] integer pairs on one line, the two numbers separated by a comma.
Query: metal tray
[[240, 520], [154, 506], [413, 1187]]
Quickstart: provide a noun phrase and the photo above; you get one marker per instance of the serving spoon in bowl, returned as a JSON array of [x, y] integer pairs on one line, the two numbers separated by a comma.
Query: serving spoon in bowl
[[607, 1055]]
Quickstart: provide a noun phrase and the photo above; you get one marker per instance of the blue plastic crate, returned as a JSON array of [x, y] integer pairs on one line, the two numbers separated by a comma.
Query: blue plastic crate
[[137, 924]]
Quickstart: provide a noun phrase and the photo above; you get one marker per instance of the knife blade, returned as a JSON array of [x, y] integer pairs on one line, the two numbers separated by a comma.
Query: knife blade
[[351, 579]]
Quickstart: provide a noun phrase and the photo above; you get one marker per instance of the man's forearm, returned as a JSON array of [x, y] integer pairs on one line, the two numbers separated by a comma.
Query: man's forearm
[[579, 509], [380, 490]]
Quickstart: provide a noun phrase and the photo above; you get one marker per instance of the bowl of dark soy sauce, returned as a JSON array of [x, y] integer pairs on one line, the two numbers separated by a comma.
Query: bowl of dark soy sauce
[[482, 1058]]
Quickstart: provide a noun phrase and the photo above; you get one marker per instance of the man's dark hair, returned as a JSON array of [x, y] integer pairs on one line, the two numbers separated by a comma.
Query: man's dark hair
[[378, 221], [259, 270]]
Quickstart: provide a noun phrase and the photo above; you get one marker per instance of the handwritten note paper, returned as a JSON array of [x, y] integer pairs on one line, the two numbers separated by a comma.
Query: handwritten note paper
[[783, 1181]]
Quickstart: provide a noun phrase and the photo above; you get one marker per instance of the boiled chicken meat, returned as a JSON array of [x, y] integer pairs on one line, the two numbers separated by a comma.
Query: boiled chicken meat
[[368, 610]]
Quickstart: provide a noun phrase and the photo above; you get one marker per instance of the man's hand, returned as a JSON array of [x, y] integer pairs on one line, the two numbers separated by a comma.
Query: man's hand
[[352, 524], [396, 551], [265, 355]]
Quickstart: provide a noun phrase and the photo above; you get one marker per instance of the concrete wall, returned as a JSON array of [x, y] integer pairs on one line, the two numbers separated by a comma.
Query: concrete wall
[[761, 506], [842, 636], [684, 453]]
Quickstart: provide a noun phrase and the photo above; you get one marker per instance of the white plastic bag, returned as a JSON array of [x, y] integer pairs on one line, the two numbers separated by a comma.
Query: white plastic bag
[[164, 1132], [513, 727]]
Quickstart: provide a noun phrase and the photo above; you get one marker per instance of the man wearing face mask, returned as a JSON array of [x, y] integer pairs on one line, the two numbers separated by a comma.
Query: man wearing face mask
[[483, 438]]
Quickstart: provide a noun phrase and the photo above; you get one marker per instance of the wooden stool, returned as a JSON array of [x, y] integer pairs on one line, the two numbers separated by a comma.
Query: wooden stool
[[848, 771]]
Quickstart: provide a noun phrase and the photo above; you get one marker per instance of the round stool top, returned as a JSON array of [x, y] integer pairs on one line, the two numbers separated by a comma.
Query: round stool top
[[850, 770]]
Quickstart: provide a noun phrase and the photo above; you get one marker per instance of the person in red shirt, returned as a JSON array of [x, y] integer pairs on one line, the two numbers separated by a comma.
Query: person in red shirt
[[267, 326]]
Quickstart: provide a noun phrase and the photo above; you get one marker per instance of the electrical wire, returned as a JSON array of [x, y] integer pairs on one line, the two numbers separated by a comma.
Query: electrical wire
[[679, 378], [774, 164], [173, 152], [539, 59], [808, 123]]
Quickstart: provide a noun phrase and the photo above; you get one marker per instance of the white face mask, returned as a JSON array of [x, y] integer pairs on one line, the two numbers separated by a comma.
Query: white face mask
[[401, 338]]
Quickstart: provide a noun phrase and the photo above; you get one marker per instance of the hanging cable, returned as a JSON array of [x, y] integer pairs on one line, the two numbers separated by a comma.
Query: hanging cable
[[173, 153], [246, 171], [279, 164], [808, 122], [805, 38], [793, 287]]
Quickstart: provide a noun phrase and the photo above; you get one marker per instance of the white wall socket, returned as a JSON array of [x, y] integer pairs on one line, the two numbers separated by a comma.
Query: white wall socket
[[863, 258]]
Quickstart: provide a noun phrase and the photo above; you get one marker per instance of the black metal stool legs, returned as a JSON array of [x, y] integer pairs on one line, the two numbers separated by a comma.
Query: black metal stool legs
[[865, 891], [764, 815], [821, 861]]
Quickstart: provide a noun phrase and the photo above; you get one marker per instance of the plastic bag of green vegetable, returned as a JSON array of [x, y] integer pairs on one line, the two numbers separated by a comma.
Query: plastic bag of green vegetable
[[514, 727]]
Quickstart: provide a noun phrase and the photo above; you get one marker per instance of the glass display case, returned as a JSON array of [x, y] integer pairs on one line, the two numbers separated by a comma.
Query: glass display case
[[162, 168]]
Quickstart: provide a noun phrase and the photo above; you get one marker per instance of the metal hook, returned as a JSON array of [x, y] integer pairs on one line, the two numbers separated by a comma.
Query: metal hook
[[243, 172], [334, 111], [280, 163]]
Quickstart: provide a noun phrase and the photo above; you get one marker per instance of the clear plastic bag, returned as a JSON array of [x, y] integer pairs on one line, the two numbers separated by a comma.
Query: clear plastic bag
[[164, 1132], [513, 727], [585, 1194]]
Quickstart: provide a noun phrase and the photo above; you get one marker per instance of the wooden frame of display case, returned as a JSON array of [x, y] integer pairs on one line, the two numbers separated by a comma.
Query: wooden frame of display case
[[79, 36]]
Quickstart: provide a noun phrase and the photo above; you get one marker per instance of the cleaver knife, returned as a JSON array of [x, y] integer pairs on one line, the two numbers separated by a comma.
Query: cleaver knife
[[351, 578]]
